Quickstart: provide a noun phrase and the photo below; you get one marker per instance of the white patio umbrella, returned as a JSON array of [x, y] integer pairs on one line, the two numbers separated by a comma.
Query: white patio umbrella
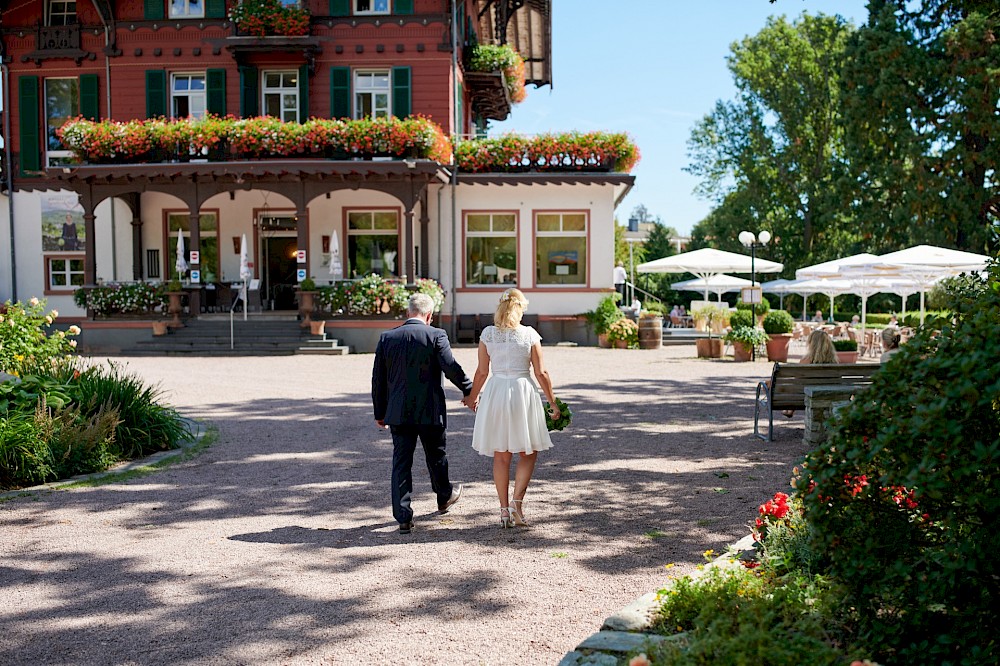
[[181, 264], [717, 284], [831, 269], [245, 273], [706, 262], [827, 286], [781, 287], [336, 265], [865, 284]]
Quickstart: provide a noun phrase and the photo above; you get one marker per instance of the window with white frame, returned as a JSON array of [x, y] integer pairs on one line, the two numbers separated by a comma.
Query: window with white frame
[[65, 272], [490, 248], [208, 234], [371, 6], [371, 94], [187, 8], [62, 102], [373, 243], [61, 12], [561, 243], [187, 95], [281, 95]]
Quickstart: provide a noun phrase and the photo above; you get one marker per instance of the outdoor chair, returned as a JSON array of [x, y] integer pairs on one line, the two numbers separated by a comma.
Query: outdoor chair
[[530, 320], [466, 331], [675, 321], [485, 320]]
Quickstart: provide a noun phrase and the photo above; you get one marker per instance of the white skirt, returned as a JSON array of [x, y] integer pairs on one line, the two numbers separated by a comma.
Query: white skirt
[[510, 417]]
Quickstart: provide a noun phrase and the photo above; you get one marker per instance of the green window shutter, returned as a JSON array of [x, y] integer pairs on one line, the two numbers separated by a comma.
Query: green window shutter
[[249, 96], [153, 10], [28, 114], [340, 7], [90, 102], [215, 9], [215, 94], [403, 6], [156, 93], [340, 92], [401, 94], [303, 93]]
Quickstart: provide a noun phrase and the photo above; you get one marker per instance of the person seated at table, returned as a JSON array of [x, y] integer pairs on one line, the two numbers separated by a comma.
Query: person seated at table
[[676, 311], [855, 321], [683, 312], [819, 349], [890, 343], [818, 317], [893, 321]]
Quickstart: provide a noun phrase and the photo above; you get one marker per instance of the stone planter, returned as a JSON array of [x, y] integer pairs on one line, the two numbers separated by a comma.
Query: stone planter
[[741, 352], [307, 303], [847, 357], [160, 327], [175, 308], [709, 347], [777, 347]]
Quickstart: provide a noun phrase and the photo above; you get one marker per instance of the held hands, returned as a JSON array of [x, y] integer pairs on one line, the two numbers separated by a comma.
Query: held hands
[[470, 402]]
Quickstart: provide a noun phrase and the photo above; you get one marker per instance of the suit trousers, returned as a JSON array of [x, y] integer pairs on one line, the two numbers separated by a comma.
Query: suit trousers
[[404, 443]]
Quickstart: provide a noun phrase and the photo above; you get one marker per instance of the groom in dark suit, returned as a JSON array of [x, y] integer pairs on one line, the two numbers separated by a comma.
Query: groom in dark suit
[[409, 400]]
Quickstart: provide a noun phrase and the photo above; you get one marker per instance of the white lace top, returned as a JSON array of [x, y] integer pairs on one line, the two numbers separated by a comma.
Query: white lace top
[[509, 348]]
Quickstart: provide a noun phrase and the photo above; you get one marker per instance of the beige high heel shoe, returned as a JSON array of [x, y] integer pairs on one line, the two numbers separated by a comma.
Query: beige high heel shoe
[[517, 514], [505, 520]]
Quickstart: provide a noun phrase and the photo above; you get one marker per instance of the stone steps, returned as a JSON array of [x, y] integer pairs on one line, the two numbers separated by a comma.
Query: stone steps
[[267, 335]]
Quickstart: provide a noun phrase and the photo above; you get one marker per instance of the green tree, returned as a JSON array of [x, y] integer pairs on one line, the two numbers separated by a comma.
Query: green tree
[[921, 92], [771, 158]]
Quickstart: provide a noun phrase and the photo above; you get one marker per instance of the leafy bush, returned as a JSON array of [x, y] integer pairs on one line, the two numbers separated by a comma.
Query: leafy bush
[[131, 298], [433, 289], [658, 308], [624, 330], [903, 496], [371, 295], [25, 456], [845, 345], [25, 346], [606, 313], [932, 318], [742, 318], [877, 319], [760, 309], [746, 335], [777, 322]]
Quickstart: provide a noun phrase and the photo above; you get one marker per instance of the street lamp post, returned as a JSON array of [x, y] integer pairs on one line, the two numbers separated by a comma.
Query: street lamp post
[[752, 241]]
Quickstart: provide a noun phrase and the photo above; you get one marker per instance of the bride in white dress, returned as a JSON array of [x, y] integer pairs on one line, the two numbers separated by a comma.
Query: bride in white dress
[[510, 417]]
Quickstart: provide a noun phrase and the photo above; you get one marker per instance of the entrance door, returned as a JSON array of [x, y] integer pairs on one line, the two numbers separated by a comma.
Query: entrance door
[[278, 244]]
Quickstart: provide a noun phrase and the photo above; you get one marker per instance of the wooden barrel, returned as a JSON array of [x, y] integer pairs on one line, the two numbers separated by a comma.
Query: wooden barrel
[[650, 332]]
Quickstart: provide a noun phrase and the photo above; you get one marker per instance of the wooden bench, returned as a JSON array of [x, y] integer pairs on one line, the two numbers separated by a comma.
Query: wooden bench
[[786, 389]]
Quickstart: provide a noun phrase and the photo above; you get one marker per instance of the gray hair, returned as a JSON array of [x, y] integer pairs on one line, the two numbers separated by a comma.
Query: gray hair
[[420, 305]]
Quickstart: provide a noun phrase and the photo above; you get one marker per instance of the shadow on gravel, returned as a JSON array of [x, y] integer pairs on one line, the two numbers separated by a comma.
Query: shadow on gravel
[[661, 470]]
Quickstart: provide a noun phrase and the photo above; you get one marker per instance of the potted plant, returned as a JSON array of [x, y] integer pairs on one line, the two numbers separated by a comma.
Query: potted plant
[[603, 316], [307, 301], [744, 339], [712, 316], [847, 351], [624, 334], [175, 292], [778, 325]]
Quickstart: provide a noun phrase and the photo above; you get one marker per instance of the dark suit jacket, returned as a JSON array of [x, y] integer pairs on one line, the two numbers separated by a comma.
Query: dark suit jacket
[[406, 379]]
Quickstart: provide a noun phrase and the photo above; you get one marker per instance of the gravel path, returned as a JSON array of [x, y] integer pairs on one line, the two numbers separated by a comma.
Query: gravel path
[[277, 544]]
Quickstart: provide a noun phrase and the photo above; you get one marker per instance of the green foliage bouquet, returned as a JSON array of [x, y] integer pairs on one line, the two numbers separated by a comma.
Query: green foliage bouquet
[[565, 416]]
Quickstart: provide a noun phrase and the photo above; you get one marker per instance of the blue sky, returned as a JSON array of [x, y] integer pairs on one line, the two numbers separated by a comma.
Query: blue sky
[[651, 68]]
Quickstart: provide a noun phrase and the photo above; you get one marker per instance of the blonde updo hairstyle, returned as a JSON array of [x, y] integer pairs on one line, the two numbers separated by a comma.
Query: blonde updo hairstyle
[[510, 309]]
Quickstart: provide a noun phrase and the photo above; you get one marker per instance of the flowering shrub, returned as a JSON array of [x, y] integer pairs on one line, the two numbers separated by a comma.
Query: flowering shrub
[[433, 289], [569, 151], [624, 330], [25, 347], [112, 299], [265, 136], [371, 295], [502, 58], [771, 512], [269, 17]]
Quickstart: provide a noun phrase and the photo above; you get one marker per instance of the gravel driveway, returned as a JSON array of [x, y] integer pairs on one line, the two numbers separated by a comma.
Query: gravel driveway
[[277, 544]]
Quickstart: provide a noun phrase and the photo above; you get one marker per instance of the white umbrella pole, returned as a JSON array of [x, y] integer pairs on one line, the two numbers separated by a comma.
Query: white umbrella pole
[[864, 315], [904, 306], [922, 313], [831, 307]]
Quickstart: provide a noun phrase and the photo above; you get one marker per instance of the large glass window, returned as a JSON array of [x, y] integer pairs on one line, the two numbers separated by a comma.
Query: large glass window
[[62, 102], [187, 9], [561, 241], [373, 243], [371, 94], [209, 231], [65, 272], [371, 6], [490, 248], [62, 12], [281, 95], [187, 95]]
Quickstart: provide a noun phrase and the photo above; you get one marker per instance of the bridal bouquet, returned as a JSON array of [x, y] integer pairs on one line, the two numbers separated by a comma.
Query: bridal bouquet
[[565, 416]]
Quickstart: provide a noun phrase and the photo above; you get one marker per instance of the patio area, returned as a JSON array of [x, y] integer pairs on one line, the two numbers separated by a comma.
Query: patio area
[[277, 545]]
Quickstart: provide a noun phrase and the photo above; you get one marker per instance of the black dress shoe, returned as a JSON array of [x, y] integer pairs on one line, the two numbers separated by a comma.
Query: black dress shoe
[[456, 493], [404, 528]]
